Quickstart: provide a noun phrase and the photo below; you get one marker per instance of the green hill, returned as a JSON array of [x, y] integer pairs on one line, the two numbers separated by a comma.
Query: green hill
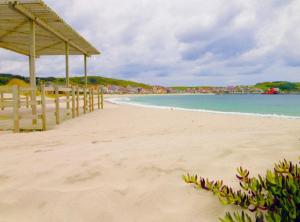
[[282, 85], [92, 80]]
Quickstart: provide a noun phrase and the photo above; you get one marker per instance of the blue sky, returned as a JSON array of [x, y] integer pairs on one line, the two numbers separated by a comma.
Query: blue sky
[[180, 42]]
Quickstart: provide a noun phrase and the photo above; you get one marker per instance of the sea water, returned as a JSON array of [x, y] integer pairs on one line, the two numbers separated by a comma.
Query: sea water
[[266, 105]]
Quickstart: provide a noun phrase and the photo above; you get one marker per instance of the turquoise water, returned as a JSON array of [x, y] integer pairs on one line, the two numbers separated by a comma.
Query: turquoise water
[[286, 105]]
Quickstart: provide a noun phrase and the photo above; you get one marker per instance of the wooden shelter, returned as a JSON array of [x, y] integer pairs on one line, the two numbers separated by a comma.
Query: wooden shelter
[[31, 28]]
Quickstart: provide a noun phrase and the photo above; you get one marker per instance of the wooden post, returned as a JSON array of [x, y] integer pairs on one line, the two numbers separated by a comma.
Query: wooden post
[[84, 100], [73, 102], [85, 71], [32, 70], [16, 101], [67, 64], [98, 96], [67, 100], [27, 101], [90, 100], [102, 98], [2, 100], [67, 48], [57, 114], [43, 104], [77, 101]]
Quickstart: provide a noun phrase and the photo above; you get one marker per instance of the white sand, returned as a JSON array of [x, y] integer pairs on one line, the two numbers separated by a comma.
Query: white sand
[[125, 164]]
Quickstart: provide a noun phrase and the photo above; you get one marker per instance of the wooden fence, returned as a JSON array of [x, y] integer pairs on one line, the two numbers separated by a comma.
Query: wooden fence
[[36, 105]]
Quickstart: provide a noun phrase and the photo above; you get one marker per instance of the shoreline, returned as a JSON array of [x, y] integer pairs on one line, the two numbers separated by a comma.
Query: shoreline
[[114, 100]]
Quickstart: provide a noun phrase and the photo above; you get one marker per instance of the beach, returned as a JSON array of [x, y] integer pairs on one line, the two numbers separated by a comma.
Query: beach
[[125, 163]]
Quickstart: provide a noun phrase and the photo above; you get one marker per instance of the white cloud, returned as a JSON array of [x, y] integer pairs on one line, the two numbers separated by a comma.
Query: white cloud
[[176, 42]]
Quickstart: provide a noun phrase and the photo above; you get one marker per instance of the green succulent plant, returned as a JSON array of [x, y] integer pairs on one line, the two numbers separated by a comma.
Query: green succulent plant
[[272, 198]]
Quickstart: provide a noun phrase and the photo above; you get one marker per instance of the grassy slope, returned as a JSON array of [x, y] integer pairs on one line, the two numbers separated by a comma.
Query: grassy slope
[[282, 85], [92, 80]]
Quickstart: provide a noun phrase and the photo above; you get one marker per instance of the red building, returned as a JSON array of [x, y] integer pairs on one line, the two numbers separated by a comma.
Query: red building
[[272, 91]]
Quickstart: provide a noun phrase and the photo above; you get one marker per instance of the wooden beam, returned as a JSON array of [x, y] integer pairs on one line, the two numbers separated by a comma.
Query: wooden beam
[[40, 35], [10, 48], [48, 46], [22, 10], [13, 30]]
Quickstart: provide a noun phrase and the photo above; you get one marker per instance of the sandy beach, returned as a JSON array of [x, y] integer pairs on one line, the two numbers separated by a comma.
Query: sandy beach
[[124, 164]]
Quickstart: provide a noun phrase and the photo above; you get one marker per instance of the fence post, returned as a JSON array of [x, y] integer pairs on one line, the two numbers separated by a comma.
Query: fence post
[[34, 105], [27, 101], [16, 116], [77, 101], [43, 103], [98, 96], [84, 100], [73, 102], [57, 114], [90, 100], [2, 100], [102, 98], [93, 100], [68, 100]]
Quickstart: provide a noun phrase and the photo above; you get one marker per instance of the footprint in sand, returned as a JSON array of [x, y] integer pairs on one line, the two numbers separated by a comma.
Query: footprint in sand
[[42, 151], [82, 177], [102, 141], [3, 178]]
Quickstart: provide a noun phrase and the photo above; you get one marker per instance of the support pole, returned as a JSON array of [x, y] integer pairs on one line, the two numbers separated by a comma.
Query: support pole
[[67, 74], [85, 71], [67, 64], [43, 103], [32, 70]]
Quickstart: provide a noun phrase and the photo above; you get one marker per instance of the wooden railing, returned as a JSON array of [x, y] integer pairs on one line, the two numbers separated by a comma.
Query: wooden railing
[[37, 105]]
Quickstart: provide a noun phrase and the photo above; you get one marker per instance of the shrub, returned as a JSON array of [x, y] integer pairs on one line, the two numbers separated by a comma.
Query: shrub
[[272, 198]]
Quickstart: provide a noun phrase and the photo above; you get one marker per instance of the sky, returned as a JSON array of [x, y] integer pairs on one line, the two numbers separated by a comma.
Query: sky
[[179, 42]]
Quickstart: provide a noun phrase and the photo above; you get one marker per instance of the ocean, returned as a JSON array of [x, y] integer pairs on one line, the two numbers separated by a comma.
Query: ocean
[[264, 105]]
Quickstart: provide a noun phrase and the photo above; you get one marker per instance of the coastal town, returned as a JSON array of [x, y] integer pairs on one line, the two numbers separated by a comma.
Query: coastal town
[[117, 86], [113, 89]]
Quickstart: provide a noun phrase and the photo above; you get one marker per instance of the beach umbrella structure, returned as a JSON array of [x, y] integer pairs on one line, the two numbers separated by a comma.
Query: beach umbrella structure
[[31, 28]]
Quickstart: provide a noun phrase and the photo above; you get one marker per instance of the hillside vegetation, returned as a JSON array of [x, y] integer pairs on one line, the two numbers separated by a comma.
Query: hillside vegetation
[[92, 80], [282, 85]]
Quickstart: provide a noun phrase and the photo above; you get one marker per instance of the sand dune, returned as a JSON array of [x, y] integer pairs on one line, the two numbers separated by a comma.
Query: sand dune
[[125, 164]]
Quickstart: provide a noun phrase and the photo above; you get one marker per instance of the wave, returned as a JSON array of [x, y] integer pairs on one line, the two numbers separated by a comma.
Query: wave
[[128, 101]]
